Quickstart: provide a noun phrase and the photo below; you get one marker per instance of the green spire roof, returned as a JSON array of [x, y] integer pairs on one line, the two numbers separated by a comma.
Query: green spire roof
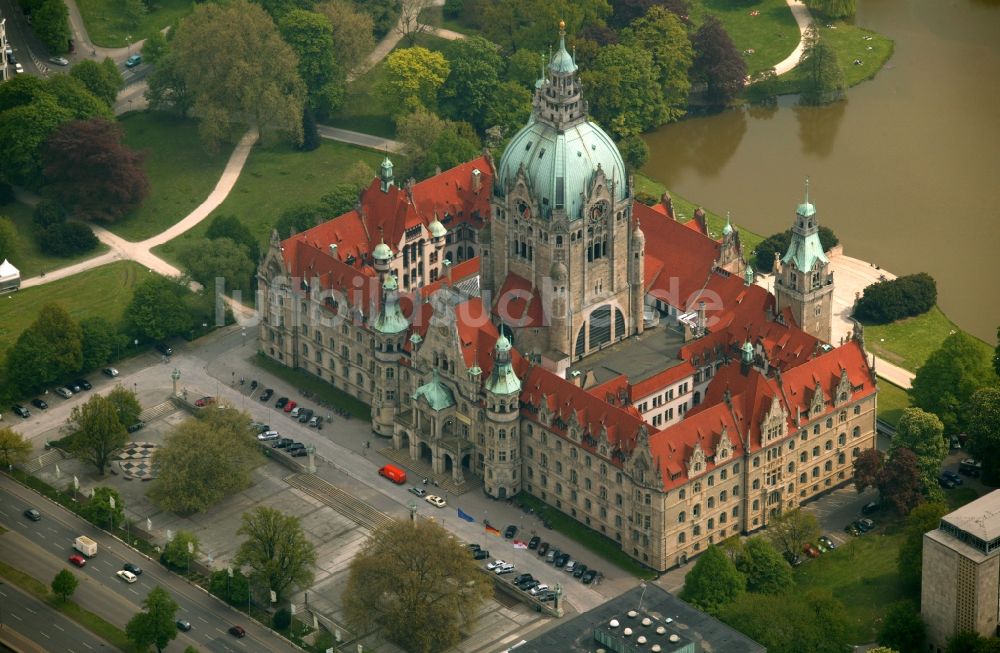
[[748, 275], [728, 229], [391, 319], [503, 380], [436, 394], [561, 61], [747, 352], [805, 252], [382, 252], [806, 210]]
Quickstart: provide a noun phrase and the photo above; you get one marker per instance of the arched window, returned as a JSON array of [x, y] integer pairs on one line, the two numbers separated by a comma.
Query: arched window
[[680, 538], [681, 517]]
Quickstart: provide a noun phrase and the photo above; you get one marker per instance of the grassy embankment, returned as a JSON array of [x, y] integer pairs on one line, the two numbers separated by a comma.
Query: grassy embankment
[[181, 174], [103, 291], [108, 27], [27, 255], [909, 342], [317, 387]]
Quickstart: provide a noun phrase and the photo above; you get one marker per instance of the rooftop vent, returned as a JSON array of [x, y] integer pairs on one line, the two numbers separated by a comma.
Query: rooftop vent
[[647, 621], [627, 632], [632, 614], [674, 638], [333, 249], [614, 623], [655, 648], [640, 640], [660, 630]]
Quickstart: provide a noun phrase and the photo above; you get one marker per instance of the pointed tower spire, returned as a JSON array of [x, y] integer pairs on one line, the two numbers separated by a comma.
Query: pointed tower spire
[[728, 229], [390, 319], [385, 173], [748, 276], [503, 380]]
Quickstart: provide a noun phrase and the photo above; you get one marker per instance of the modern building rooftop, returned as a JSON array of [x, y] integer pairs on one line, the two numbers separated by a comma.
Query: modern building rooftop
[[685, 628], [977, 524], [638, 358]]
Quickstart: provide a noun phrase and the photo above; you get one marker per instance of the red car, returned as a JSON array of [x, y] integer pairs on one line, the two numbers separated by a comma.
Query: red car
[[810, 550], [204, 401], [237, 631], [78, 560], [289, 406]]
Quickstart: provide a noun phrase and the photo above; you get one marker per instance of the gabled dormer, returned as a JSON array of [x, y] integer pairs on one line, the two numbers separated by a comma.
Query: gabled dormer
[[696, 462], [843, 392], [818, 402], [772, 426], [724, 449]]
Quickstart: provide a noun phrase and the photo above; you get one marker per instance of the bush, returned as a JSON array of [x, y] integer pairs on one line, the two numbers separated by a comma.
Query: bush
[[48, 213], [282, 619], [6, 193], [888, 301], [67, 239]]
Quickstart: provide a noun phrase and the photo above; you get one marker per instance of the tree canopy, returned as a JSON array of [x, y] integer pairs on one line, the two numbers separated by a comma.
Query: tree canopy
[[430, 142], [103, 79], [352, 32], [50, 21], [624, 92], [791, 530], [310, 35], [532, 25], [89, 168], [661, 33], [415, 584], [813, 621], [252, 79], [229, 226], [902, 628], [276, 550], [779, 242], [824, 79], [9, 241], [205, 459], [100, 340], [897, 477], [713, 582], [468, 93], [909, 561], [949, 378], [833, 8], [894, 299], [97, 509], [765, 570], [155, 624], [97, 432], [64, 584], [983, 414], [14, 448], [47, 351], [182, 550], [411, 79], [157, 309], [717, 63], [220, 265], [923, 434]]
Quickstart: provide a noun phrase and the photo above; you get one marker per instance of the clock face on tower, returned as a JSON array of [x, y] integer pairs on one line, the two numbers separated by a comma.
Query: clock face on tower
[[597, 213]]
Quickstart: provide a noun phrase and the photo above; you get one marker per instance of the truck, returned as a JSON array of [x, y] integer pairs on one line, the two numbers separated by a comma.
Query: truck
[[393, 473], [86, 546]]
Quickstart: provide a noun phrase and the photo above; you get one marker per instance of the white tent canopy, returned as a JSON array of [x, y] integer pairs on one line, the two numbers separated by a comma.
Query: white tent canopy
[[10, 277]]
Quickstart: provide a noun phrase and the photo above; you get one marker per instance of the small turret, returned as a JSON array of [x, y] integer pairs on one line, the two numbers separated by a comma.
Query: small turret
[[382, 255], [390, 319], [503, 380], [727, 231], [385, 174], [436, 229], [748, 276]]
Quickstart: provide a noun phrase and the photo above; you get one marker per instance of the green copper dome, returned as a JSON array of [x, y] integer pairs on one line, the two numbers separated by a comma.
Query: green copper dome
[[436, 394], [382, 252], [391, 319], [562, 62], [806, 210], [436, 228]]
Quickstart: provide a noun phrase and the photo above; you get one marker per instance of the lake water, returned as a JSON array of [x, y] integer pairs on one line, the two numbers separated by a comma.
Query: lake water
[[906, 171]]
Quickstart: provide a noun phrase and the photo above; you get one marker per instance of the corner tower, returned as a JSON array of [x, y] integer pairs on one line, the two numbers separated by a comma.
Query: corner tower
[[562, 201], [802, 279]]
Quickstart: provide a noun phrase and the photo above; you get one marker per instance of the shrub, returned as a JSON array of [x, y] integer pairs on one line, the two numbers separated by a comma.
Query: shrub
[[282, 619], [888, 301], [66, 239]]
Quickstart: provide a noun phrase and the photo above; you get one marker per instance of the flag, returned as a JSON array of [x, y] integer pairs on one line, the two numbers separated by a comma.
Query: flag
[[465, 516], [492, 531], [518, 544]]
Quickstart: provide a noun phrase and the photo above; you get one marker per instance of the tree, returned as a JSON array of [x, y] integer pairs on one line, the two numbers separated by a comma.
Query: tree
[[996, 355], [894, 299], [411, 79], [64, 584], [791, 530], [416, 585], [341, 199], [47, 351], [523, 68], [50, 20], [882, 649], [869, 467], [66, 239], [182, 550], [89, 168], [822, 75], [811, 621], [221, 259], [430, 142], [984, 432], [624, 91], [833, 8], [126, 405], [229, 226], [155, 625], [967, 642], [765, 570], [234, 589], [97, 509], [278, 9], [23, 129], [205, 459], [310, 132], [626, 11], [352, 32], [276, 550], [73, 95], [923, 434], [384, 14], [661, 33], [154, 48], [311, 37], [299, 218], [717, 63], [902, 628], [713, 582], [510, 107], [102, 79], [9, 242], [168, 90], [902, 485], [532, 25], [14, 448], [634, 150], [157, 309], [100, 340], [909, 562], [98, 433], [254, 79], [282, 619], [470, 89], [949, 378]]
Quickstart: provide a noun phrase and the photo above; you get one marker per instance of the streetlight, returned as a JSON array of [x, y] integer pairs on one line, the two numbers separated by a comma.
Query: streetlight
[[128, 39]]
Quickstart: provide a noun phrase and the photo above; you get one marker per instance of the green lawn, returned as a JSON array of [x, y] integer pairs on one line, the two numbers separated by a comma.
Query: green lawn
[[849, 43], [104, 291], [862, 575], [909, 342], [181, 174], [684, 210], [772, 34], [274, 179], [892, 400], [28, 257], [107, 26], [319, 388]]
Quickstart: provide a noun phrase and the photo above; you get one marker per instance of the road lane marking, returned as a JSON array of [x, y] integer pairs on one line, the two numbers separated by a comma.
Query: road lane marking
[[133, 591], [14, 614], [30, 610], [87, 645], [42, 632], [59, 627], [41, 535], [203, 619]]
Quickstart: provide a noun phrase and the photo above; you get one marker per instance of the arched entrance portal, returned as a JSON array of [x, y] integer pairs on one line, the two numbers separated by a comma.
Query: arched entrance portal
[[604, 325], [426, 453], [501, 492]]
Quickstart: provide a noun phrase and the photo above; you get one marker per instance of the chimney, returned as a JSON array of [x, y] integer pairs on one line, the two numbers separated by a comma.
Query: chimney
[[477, 180], [699, 217], [668, 204], [701, 318], [333, 250], [576, 379]]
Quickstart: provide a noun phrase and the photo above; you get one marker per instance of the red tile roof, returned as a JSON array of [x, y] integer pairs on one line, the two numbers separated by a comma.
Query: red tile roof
[[798, 384], [672, 447], [518, 304], [658, 382]]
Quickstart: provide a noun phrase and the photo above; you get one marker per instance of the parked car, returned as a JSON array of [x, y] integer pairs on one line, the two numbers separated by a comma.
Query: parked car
[[810, 550], [294, 412], [421, 492], [505, 568], [183, 624], [865, 525], [534, 542], [496, 563], [164, 348], [792, 558], [570, 566], [83, 383], [521, 578], [131, 568], [110, 371], [955, 478], [305, 415], [133, 61], [543, 548], [74, 387], [268, 436], [538, 589], [59, 61], [282, 443], [300, 453], [32, 514], [267, 394], [294, 446], [281, 403], [852, 529], [18, 68], [588, 576], [546, 596], [561, 560], [126, 576], [290, 406], [528, 585], [970, 467], [63, 392], [480, 554], [132, 428], [78, 560], [821, 546], [946, 482], [21, 411], [237, 631], [435, 501], [39, 403], [830, 544], [870, 508], [579, 571], [551, 556], [204, 401], [510, 532]]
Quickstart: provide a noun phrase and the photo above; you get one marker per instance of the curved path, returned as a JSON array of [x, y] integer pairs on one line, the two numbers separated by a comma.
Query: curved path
[[804, 20]]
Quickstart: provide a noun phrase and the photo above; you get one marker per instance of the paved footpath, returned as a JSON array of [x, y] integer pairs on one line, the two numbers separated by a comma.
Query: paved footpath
[[803, 18]]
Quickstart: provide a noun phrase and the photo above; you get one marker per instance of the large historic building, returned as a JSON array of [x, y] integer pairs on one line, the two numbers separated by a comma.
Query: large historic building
[[531, 325]]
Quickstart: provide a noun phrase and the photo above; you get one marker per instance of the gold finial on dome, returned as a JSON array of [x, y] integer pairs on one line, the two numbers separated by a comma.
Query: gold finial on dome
[[562, 24]]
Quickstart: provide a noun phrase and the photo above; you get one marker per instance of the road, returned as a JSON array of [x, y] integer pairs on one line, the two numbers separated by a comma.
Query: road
[[29, 617], [40, 549]]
